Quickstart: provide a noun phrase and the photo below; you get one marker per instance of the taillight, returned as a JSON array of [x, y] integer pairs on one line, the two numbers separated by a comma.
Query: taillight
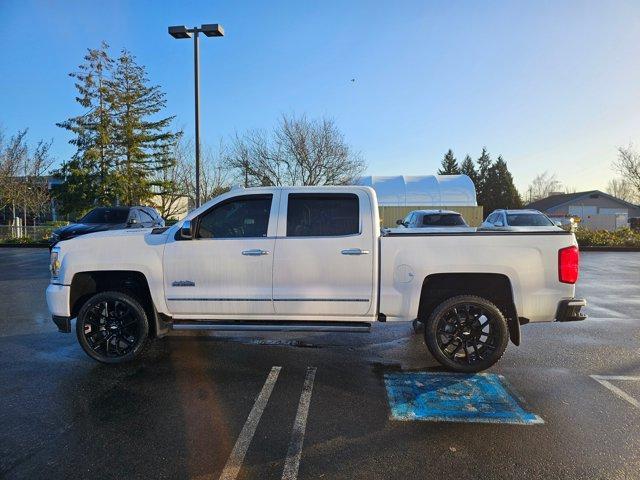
[[568, 264]]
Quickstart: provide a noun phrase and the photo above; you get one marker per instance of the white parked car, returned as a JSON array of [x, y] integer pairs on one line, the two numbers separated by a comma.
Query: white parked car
[[518, 220], [435, 220], [310, 259]]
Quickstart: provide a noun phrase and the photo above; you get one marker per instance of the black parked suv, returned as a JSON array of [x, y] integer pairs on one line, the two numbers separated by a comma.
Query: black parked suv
[[109, 218]]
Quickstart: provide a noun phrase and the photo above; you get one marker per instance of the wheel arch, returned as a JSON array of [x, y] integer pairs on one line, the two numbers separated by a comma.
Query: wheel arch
[[495, 287], [134, 283]]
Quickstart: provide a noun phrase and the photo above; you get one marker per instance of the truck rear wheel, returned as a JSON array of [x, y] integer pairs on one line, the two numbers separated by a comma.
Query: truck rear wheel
[[112, 327], [466, 333]]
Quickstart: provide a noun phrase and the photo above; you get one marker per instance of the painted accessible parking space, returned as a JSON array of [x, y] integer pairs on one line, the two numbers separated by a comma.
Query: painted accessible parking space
[[454, 397]]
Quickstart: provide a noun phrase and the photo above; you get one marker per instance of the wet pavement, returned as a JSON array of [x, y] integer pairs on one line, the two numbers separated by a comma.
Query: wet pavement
[[185, 409]]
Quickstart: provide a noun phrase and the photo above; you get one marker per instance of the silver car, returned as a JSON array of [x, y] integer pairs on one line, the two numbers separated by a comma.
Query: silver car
[[518, 220]]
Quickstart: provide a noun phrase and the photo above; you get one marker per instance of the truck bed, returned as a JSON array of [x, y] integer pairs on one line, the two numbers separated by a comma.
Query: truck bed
[[529, 260]]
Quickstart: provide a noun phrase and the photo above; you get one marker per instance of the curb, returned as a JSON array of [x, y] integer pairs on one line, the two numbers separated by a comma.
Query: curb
[[596, 248]]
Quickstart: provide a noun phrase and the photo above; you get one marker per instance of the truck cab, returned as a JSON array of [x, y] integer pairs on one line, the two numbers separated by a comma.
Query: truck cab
[[275, 252]]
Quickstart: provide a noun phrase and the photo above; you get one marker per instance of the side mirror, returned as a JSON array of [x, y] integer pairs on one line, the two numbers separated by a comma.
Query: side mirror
[[185, 230], [400, 222], [558, 223], [132, 221]]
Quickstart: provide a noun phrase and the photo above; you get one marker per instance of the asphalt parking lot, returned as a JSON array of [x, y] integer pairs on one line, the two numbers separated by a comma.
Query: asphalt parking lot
[[209, 406]]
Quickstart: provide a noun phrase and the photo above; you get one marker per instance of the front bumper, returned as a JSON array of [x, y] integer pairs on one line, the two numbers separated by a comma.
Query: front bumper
[[569, 310], [58, 297], [63, 323]]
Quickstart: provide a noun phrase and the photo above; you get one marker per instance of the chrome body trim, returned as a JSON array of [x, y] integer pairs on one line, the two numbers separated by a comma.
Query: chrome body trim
[[224, 299], [273, 327], [206, 299]]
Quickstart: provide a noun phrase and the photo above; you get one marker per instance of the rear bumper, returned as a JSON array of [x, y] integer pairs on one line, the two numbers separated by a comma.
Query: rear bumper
[[569, 310]]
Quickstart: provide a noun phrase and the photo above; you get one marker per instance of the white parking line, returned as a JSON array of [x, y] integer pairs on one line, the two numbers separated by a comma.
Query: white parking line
[[294, 453], [604, 380], [232, 467]]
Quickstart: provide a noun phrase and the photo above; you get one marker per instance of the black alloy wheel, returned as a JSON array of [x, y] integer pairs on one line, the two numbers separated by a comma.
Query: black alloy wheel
[[467, 333], [112, 327]]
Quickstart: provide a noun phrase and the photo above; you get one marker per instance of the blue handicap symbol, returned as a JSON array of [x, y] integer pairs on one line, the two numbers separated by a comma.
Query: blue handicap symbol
[[455, 397]]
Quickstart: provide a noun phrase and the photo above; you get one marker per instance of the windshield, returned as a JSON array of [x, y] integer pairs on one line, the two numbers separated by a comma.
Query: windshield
[[528, 220], [445, 220], [106, 215]]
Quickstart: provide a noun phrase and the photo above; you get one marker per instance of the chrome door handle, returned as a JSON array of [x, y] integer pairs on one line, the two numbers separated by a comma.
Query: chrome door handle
[[255, 252], [354, 251]]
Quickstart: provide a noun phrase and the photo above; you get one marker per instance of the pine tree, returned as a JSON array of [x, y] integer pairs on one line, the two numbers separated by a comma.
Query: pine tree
[[469, 169], [500, 192], [449, 165], [142, 140], [89, 173], [484, 165]]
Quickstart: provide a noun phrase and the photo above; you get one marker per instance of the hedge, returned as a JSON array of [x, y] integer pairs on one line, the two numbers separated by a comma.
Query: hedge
[[624, 237]]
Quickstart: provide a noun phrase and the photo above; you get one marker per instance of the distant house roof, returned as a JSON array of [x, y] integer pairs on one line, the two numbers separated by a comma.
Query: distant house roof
[[557, 200]]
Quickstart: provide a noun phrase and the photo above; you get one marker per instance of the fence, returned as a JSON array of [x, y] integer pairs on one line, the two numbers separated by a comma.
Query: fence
[[32, 233]]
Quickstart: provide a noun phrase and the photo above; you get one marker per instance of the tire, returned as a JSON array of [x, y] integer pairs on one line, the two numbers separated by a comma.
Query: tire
[[115, 334], [466, 333]]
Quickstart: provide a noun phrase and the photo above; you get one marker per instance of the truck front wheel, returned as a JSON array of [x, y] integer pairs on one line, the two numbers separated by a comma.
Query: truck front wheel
[[466, 333], [112, 327]]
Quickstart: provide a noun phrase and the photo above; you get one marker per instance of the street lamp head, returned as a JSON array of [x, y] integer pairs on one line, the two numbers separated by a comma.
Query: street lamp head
[[179, 31], [212, 30]]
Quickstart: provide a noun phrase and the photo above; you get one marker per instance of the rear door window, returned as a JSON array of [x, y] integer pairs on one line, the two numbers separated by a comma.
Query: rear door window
[[323, 215]]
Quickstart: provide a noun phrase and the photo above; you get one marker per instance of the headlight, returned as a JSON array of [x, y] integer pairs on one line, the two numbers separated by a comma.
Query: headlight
[[54, 264]]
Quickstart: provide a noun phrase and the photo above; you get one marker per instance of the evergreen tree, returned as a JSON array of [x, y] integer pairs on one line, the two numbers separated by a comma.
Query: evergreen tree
[[449, 165], [142, 140], [484, 165], [469, 169], [89, 173], [500, 192]]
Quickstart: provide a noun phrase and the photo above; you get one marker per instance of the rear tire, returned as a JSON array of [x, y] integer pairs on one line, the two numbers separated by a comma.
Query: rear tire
[[466, 333], [112, 327]]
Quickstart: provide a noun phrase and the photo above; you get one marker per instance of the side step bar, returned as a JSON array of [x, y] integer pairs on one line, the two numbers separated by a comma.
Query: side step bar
[[239, 326]]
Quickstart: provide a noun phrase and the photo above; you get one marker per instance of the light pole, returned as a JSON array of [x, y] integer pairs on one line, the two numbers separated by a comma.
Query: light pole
[[181, 32]]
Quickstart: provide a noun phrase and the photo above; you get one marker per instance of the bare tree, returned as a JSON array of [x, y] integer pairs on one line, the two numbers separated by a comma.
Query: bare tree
[[622, 189], [628, 166], [298, 151], [23, 181], [543, 185], [169, 183], [214, 174], [12, 152]]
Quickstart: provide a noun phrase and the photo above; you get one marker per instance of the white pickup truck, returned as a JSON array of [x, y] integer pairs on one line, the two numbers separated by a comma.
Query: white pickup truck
[[310, 259]]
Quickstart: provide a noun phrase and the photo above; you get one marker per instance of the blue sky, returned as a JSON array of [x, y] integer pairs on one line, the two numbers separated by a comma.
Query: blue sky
[[549, 85]]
